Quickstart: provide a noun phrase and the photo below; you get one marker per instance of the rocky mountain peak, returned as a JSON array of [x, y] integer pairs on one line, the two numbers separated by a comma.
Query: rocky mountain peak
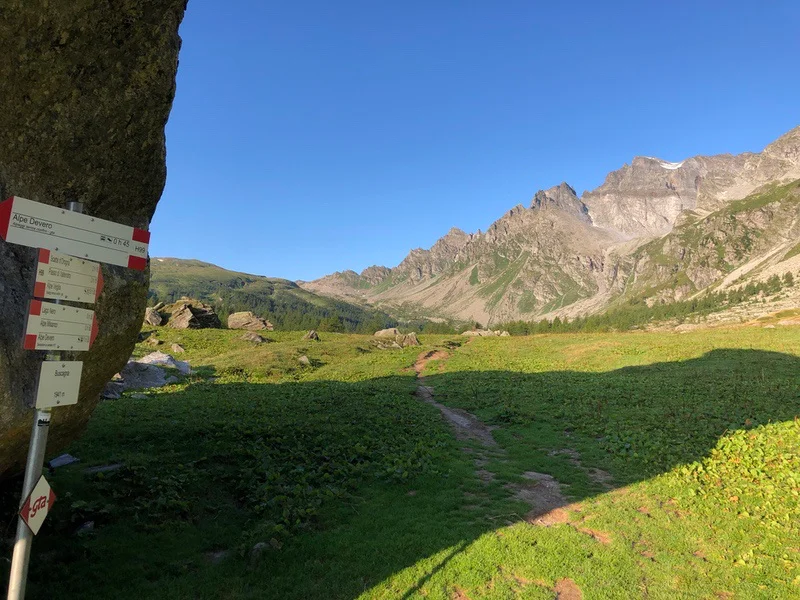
[[786, 147], [375, 274], [561, 197]]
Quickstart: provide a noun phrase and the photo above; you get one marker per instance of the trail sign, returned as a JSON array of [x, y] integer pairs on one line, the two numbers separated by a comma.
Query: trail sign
[[62, 277], [40, 225], [59, 383], [37, 505], [59, 327]]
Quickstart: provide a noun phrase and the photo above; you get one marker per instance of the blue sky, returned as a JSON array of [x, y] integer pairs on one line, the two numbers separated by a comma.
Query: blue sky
[[308, 137]]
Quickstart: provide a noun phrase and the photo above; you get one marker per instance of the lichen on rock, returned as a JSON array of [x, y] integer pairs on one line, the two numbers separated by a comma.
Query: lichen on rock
[[85, 92]]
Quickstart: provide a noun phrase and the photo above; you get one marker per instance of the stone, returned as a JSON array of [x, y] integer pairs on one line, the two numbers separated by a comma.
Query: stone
[[151, 317], [249, 321], [153, 341], [113, 390], [312, 335], [103, 468], [192, 314], [256, 551], [136, 376], [170, 380], [504, 334], [85, 529], [165, 360], [139, 396], [304, 360], [159, 306], [62, 461], [410, 339], [251, 336], [85, 92], [178, 349], [390, 332]]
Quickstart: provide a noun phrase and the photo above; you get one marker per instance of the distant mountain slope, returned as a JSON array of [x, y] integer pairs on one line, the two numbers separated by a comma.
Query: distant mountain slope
[[283, 302], [654, 230]]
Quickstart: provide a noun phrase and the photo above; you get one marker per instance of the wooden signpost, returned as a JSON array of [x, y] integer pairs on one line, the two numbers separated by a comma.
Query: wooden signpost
[[68, 242]]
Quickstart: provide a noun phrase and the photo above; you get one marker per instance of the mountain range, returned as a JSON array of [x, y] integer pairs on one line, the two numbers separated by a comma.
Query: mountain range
[[654, 231]]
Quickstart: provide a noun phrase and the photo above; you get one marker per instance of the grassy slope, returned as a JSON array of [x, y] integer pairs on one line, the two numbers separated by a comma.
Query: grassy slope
[[359, 490], [280, 300]]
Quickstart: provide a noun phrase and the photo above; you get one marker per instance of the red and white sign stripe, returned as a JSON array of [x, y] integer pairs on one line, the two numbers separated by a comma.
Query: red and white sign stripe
[[59, 327], [38, 225]]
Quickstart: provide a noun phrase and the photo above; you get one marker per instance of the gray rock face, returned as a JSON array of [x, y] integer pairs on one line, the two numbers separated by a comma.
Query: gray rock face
[[646, 197], [561, 197], [375, 274], [85, 91], [421, 264], [247, 320]]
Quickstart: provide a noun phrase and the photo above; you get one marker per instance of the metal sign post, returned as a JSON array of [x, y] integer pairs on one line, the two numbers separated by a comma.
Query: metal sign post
[[68, 241]]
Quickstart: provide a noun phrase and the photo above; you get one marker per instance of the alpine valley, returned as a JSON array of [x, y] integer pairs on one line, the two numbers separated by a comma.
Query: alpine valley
[[654, 232]]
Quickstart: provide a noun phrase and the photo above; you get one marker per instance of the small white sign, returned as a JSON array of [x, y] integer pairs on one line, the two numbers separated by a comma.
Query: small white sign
[[37, 505], [39, 225], [59, 383], [63, 277], [59, 327]]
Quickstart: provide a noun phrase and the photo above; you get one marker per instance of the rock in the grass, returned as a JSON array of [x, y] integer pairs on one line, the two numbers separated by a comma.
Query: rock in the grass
[[304, 360], [137, 376], [85, 529], [192, 314], [113, 390], [62, 461], [85, 92], [480, 333], [103, 468], [390, 332], [178, 349], [249, 321], [171, 379], [151, 316], [410, 339], [504, 334], [160, 358], [217, 557], [312, 335], [256, 551], [153, 341], [252, 336], [159, 306]]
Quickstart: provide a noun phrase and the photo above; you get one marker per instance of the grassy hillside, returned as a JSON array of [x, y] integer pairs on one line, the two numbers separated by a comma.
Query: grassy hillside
[[281, 301], [676, 455]]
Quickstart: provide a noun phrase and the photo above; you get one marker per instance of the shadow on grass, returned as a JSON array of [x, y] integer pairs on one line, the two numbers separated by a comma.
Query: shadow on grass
[[344, 484]]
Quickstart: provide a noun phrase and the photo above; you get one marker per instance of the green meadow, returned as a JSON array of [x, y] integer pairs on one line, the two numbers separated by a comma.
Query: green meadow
[[258, 476]]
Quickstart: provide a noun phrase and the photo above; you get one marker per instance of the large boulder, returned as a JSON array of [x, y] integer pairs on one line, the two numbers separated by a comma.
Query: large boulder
[[191, 314], [85, 92], [247, 320], [388, 333]]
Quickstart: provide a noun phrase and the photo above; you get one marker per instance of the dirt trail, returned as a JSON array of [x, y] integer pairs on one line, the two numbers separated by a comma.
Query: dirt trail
[[542, 492]]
